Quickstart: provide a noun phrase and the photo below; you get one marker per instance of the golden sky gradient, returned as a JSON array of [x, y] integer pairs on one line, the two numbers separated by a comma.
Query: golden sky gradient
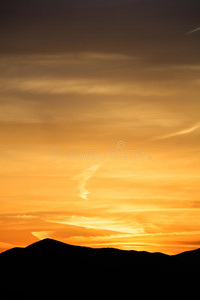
[[100, 124]]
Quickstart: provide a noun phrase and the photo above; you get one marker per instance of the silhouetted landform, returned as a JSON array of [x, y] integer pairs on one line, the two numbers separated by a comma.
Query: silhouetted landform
[[50, 269]]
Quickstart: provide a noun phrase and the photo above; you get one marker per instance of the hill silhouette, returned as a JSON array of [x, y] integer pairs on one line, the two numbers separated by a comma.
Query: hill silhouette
[[50, 268]]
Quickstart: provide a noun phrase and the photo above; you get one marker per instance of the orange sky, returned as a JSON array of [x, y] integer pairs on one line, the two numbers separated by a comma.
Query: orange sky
[[100, 145]]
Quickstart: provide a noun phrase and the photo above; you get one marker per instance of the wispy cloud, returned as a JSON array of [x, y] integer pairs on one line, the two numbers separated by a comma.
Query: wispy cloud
[[98, 223], [68, 58], [60, 86], [193, 30], [42, 234], [83, 178], [181, 132]]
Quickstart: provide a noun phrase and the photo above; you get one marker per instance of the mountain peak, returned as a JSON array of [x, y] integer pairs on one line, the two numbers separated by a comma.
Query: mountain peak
[[48, 245]]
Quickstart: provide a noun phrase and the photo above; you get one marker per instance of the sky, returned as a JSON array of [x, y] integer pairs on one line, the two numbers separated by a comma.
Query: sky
[[100, 123]]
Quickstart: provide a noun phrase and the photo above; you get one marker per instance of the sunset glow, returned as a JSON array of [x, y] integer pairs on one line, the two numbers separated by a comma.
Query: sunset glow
[[100, 125]]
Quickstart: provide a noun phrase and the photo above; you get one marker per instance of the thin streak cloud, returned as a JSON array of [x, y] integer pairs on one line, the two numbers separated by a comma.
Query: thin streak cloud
[[197, 29], [181, 132], [83, 178], [81, 87], [42, 234]]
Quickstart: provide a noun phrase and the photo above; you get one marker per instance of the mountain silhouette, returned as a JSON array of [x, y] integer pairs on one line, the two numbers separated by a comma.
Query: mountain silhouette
[[52, 269]]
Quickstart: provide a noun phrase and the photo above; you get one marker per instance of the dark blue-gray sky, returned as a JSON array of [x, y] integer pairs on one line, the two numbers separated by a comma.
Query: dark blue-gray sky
[[155, 29]]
